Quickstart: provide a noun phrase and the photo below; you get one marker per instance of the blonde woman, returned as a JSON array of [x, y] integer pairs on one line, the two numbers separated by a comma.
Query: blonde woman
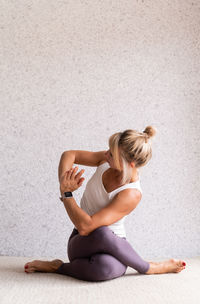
[[97, 247]]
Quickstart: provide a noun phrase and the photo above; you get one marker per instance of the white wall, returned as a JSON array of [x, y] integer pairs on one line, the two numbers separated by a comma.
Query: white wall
[[71, 74]]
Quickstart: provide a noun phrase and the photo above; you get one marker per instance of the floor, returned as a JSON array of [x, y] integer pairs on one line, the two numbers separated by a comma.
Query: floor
[[18, 287]]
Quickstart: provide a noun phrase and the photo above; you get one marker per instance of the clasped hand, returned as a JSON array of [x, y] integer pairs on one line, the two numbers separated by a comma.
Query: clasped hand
[[70, 182]]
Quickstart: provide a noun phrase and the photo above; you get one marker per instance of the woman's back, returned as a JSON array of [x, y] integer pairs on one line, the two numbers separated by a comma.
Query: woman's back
[[96, 197]]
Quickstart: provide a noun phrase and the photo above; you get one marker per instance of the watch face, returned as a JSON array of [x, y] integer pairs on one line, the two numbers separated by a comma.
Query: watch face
[[68, 194]]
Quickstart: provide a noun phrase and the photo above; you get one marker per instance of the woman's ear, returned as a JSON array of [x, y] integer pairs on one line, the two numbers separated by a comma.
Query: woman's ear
[[132, 164]]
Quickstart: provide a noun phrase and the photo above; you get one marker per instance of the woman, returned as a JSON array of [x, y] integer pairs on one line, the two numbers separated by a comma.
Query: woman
[[97, 247]]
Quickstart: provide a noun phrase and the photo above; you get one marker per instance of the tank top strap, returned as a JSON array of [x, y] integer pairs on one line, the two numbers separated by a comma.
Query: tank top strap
[[103, 167]]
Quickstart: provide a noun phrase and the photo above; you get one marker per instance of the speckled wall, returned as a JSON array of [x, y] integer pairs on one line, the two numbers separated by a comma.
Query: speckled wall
[[71, 74]]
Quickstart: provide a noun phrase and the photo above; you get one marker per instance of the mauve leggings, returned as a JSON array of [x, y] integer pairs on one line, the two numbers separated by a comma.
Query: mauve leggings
[[101, 255]]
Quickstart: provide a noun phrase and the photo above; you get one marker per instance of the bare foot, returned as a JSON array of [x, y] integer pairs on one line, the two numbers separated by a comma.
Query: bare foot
[[155, 263], [171, 265], [42, 266]]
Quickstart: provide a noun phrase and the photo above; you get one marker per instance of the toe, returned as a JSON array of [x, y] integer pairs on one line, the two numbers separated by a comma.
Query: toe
[[180, 268], [181, 263], [26, 266], [29, 269]]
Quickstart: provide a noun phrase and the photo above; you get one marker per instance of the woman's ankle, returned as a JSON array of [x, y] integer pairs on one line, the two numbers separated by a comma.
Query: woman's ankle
[[154, 268]]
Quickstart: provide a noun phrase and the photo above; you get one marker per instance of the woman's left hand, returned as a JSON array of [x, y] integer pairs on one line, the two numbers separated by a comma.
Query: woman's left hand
[[70, 182]]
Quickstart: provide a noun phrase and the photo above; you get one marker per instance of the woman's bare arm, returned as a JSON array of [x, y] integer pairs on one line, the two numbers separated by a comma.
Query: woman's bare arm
[[81, 157], [66, 163]]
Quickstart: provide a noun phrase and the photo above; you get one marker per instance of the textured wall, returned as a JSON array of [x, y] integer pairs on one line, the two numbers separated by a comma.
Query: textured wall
[[71, 74]]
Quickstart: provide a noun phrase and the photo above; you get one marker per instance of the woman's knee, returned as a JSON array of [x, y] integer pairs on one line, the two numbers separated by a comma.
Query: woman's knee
[[100, 232]]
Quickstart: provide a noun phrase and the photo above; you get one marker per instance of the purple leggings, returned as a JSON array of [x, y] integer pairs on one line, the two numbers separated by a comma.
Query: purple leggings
[[101, 255]]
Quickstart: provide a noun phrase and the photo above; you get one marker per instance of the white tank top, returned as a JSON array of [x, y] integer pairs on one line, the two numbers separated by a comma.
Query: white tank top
[[95, 197]]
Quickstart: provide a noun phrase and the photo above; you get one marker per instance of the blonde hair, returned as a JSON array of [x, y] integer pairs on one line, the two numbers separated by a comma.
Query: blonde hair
[[131, 146]]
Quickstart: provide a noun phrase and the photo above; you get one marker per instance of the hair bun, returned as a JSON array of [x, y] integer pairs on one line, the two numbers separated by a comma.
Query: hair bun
[[150, 131]]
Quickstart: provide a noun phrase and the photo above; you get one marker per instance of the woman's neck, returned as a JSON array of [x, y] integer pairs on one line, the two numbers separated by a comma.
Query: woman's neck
[[135, 177], [118, 175]]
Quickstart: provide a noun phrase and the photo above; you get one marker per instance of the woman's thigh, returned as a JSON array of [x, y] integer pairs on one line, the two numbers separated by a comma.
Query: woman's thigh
[[98, 241]]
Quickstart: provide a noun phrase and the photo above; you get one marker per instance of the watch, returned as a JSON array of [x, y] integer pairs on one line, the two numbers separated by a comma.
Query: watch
[[67, 194]]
